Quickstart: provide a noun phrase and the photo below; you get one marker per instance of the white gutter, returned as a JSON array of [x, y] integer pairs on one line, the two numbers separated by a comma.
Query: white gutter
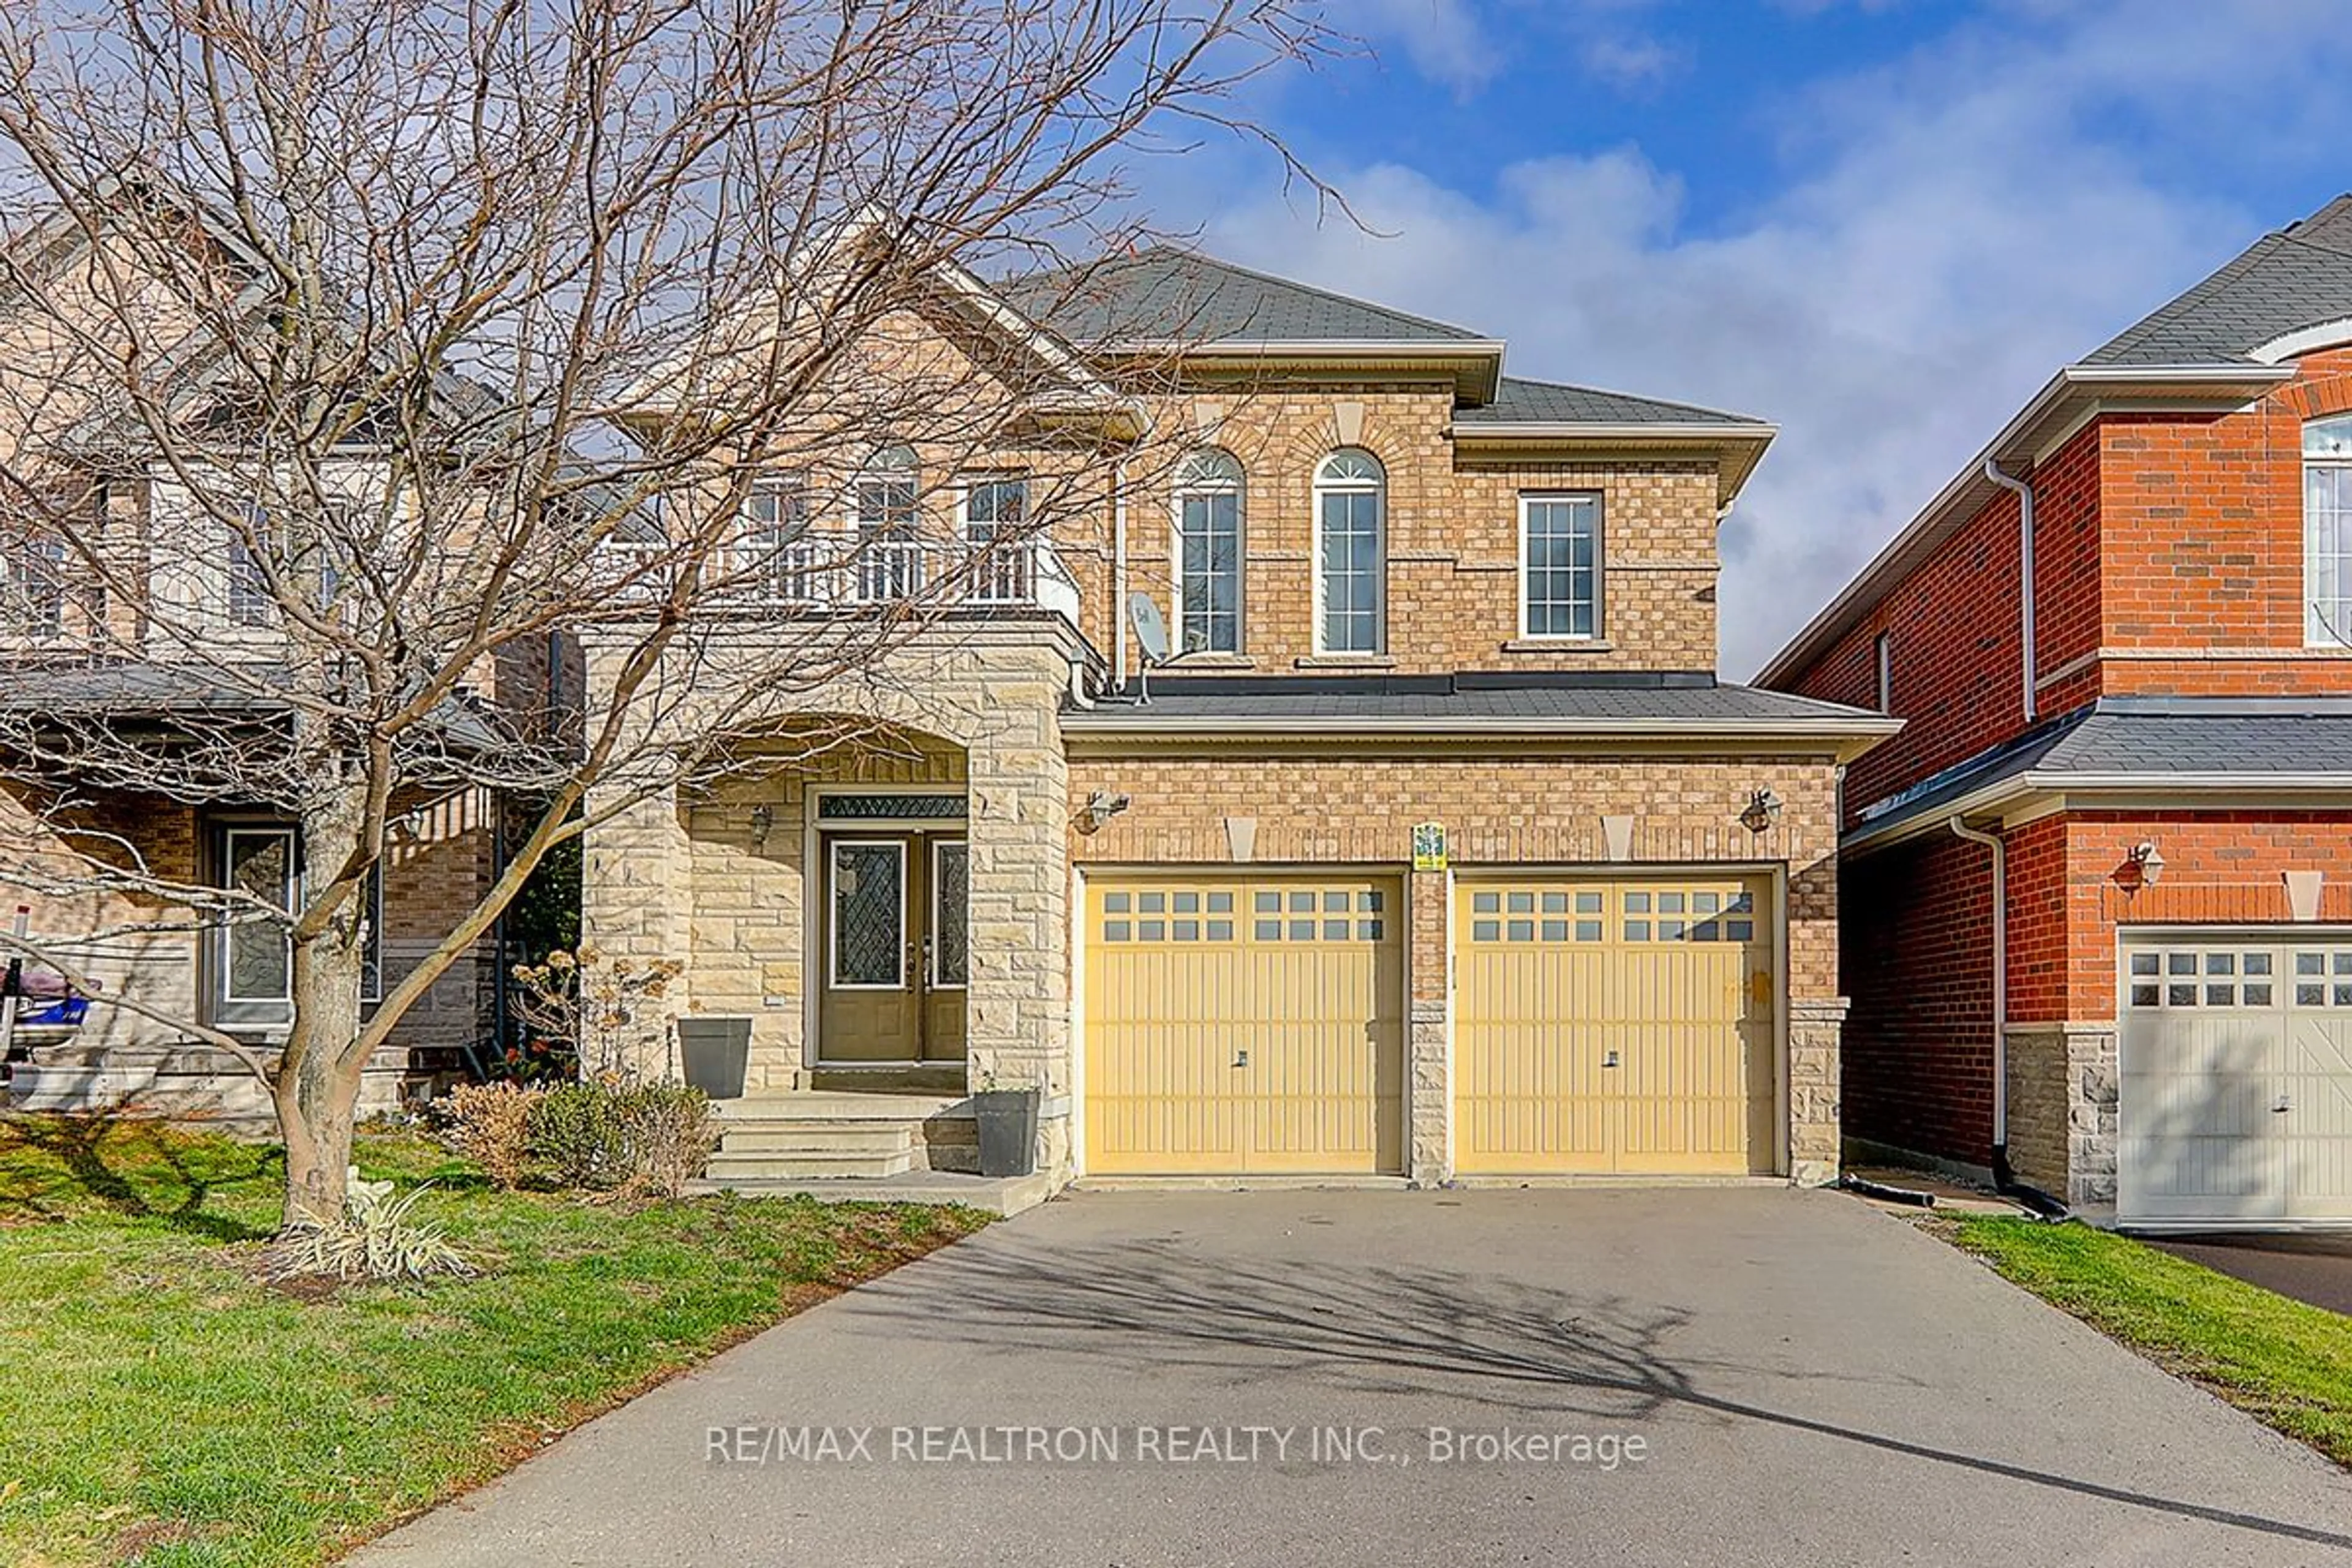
[[2000, 986], [2023, 491], [1595, 430], [1120, 723]]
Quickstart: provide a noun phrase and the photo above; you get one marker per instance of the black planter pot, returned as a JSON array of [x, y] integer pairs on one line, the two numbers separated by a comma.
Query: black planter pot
[[713, 1054], [1008, 1130]]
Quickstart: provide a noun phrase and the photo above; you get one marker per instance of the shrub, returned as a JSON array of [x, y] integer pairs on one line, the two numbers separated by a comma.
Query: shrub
[[489, 1123], [631, 1140], [376, 1236], [575, 1128], [671, 1137]]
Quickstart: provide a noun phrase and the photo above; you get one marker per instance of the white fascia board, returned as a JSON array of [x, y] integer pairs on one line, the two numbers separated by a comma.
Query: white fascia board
[[2003, 795], [1563, 430], [1097, 721]]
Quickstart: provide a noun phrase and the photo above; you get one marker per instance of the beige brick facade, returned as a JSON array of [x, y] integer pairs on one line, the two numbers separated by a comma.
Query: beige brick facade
[[1525, 804]]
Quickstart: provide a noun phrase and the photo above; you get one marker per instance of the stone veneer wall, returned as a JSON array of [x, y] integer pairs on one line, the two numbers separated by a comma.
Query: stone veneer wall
[[2063, 1086], [1519, 807], [666, 879]]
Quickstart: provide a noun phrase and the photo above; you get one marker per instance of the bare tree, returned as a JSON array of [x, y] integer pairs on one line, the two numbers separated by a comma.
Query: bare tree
[[344, 348]]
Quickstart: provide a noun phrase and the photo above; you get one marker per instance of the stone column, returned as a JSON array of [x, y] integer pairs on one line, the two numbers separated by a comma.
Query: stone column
[[1428, 1084], [2063, 1083], [636, 905], [1017, 1025], [1815, 1024]]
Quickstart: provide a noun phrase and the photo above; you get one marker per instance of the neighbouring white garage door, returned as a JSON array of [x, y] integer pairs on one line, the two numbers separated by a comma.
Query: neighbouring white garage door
[[2235, 1100]]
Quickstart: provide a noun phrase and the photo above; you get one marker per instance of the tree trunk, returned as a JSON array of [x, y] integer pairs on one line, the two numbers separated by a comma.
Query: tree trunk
[[317, 1089]]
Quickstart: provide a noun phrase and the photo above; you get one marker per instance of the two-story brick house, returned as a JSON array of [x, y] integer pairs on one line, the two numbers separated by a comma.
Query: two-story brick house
[[2096, 904], [1436, 849], [173, 645]]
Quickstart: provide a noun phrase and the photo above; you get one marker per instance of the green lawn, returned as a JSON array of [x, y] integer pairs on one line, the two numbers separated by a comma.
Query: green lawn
[[2281, 1360], [159, 1406]]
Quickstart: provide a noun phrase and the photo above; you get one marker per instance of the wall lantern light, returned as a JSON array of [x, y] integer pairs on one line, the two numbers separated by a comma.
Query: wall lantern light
[[763, 819], [2148, 860], [1762, 811], [1100, 807]]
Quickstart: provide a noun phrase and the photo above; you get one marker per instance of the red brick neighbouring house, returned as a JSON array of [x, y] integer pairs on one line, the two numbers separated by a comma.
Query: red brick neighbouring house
[[2151, 747]]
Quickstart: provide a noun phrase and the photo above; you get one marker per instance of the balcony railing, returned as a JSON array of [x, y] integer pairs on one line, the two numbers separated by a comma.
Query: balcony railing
[[818, 573], [822, 573]]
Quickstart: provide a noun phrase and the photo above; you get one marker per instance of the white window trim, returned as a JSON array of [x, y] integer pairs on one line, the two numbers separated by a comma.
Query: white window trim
[[1239, 491], [1380, 489], [2318, 630], [1600, 568], [833, 914], [932, 915]]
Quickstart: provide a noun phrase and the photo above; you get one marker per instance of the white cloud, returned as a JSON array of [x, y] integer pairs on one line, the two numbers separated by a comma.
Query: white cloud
[[1949, 234], [1445, 40]]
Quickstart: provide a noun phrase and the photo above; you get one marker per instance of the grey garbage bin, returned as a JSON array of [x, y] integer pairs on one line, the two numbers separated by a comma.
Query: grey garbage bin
[[713, 1054]]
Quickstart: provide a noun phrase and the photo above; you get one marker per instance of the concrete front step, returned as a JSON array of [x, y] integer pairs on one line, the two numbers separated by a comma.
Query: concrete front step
[[727, 1167], [845, 1136], [824, 1105]]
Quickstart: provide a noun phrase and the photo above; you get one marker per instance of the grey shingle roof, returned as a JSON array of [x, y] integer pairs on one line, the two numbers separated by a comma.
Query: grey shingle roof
[[1164, 294], [1523, 401], [2300, 275], [2151, 738], [1337, 701], [185, 696]]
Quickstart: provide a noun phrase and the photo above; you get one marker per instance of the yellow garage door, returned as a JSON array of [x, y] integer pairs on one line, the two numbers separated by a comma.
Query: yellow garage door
[[1241, 1025], [1622, 1027]]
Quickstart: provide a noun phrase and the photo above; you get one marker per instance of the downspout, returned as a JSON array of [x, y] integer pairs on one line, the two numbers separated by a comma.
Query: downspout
[[2004, 1180], [2024, 493], [1118, 575]]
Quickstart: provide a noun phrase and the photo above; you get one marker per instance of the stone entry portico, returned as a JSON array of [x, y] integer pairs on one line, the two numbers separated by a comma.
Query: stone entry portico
[[722, 880]]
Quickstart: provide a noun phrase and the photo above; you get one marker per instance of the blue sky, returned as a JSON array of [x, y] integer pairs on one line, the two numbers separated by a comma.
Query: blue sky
[[1880, 225]]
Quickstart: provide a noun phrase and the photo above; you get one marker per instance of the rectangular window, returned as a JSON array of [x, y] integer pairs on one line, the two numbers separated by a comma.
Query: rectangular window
[[775, 548], [249, 600], [1883, 656], [33, 587], [1560, 566], [996, 518], [951, 926], [1209, 571]]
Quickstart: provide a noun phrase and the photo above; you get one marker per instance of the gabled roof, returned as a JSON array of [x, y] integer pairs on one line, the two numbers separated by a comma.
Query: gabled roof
[[1519, 401], [1164, 295], [2295, 278]]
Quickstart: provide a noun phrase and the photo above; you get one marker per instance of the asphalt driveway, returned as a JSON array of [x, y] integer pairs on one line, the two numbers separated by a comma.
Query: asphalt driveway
[[2314, 1268], [1354, 1377]]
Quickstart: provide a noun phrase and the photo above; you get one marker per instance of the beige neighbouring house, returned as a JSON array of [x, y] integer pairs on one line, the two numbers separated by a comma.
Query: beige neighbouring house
[[1437, 848]]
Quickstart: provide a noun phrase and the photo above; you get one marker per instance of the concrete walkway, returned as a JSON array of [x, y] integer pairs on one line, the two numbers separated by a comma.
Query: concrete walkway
[[1351, 1377]]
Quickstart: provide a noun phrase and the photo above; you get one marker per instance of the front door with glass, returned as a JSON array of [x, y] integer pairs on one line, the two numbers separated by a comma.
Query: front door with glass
[[894, 956]]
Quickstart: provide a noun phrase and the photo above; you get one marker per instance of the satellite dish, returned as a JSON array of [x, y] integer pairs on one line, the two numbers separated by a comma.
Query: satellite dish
[[1150, 630], [1150, 634]]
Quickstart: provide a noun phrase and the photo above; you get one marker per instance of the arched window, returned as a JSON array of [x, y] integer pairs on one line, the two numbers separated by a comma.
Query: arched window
[[1209, 553], [1350, 551], [2327, 532]]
